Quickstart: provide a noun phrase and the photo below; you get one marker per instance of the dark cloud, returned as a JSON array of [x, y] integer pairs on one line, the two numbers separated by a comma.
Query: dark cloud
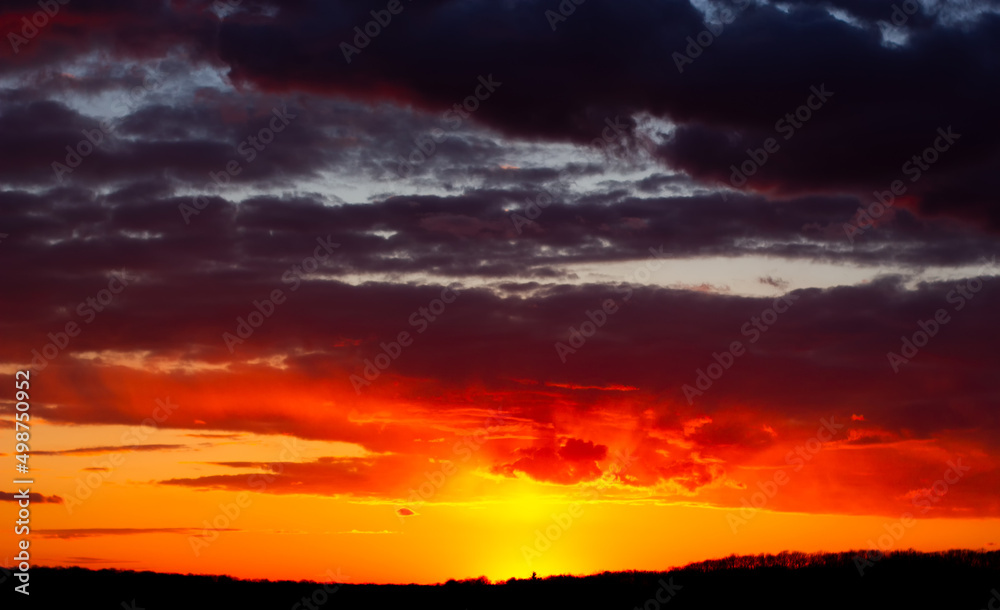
[[327, 476], [575, 450], [689, 474], [33, 497], [93, 532], [774, 282], [889, 99], [110, 449], [574, 461], [490, 339]]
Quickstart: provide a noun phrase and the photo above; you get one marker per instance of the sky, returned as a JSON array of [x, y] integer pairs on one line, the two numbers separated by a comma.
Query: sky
[[410, 291]]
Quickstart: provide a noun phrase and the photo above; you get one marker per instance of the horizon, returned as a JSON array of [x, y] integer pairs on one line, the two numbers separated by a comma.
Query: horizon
[[965, 578], [863, 557]]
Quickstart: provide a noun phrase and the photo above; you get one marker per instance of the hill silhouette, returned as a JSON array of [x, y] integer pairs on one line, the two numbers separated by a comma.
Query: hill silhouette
[[953, 580]]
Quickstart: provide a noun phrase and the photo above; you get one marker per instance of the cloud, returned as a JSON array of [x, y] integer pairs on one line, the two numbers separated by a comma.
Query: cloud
[[573, 462], [689, 474], [770, 281], [363, 477], [111, 449], [73, 533], [97, 560], [294, 51], [33, 497], [575, 450]]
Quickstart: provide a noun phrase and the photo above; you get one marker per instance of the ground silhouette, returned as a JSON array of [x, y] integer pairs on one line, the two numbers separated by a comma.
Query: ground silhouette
[[953, 580]]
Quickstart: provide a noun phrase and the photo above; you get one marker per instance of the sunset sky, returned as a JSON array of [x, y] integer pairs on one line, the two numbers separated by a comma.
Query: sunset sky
[[409, 291]]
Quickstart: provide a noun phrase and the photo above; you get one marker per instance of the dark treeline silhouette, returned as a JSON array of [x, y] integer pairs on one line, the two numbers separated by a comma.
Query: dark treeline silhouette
[[953, 580]]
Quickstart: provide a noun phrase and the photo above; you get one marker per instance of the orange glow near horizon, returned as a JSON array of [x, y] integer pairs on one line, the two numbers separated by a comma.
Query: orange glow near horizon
[[492, 493]]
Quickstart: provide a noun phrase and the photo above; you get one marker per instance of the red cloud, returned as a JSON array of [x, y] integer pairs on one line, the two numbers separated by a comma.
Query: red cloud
[[575, 461]]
